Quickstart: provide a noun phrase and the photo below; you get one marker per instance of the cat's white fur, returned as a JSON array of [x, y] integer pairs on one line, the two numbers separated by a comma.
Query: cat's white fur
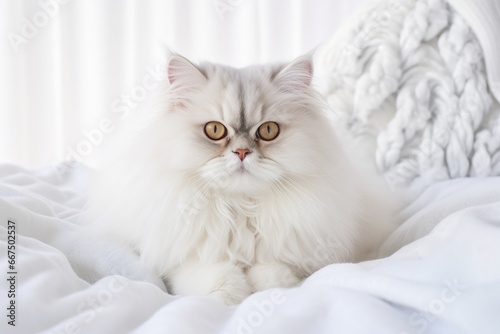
[[212, 224]]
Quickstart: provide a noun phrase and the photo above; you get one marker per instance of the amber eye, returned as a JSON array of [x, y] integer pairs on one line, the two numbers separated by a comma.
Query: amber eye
[[268, 131], [215, 130]]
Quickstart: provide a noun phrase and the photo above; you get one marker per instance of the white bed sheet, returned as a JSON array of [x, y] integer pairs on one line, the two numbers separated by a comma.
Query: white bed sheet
[[446, 280]]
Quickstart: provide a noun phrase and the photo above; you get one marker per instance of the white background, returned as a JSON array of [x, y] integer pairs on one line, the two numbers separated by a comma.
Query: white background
[[65, 76]]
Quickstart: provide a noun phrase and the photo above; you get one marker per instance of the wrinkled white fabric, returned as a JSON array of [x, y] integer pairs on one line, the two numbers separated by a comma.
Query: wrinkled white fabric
[[446, 280]]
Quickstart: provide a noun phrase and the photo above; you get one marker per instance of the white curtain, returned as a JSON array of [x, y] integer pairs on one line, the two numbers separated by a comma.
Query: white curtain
[[67, 65]]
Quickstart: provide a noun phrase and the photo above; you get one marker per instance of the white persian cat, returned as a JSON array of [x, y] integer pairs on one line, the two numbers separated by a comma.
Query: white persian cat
[[237, 183]]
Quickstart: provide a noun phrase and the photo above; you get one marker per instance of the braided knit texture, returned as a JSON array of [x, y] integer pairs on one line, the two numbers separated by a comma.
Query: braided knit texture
[[410, 75]]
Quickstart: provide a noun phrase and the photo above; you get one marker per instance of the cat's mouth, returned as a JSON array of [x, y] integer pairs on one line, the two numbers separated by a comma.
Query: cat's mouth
[[242, 169]]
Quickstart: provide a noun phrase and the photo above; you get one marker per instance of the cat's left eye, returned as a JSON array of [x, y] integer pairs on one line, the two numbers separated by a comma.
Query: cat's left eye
[[215, 130], [268, 131]]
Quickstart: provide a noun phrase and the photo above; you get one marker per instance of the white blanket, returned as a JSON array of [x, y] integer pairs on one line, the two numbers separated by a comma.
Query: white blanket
[[445, 281], [410, 75]]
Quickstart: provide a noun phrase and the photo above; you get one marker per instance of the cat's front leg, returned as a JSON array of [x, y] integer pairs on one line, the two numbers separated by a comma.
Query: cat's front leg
[[264, 276], [222, 281]]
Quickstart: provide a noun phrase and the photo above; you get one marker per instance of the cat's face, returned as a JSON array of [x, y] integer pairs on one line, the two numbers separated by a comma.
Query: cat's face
[[245, 131]]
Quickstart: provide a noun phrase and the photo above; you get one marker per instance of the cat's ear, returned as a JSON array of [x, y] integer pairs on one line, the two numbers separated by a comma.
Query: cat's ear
[[296, 76], [183, 75]]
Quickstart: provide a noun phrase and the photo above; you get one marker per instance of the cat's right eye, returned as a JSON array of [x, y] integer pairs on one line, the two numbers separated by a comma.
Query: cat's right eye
[[215, 130]]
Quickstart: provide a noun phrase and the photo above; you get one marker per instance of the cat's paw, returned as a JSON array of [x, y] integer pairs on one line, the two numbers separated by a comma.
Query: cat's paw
[[222, 281], [232, 291], [264, 276]]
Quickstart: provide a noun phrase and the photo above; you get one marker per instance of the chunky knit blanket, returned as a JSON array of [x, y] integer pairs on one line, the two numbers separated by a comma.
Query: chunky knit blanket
[[411, 76]]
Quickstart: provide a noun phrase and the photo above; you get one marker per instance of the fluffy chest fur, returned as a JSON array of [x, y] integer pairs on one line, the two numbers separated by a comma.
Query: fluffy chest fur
[[302, 225]]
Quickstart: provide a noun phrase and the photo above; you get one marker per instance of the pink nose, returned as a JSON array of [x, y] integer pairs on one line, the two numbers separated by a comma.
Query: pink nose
[[242, 152]]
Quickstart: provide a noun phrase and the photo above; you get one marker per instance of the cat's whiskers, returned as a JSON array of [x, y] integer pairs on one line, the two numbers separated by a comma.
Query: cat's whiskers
[[292, 172], [281, 185]]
